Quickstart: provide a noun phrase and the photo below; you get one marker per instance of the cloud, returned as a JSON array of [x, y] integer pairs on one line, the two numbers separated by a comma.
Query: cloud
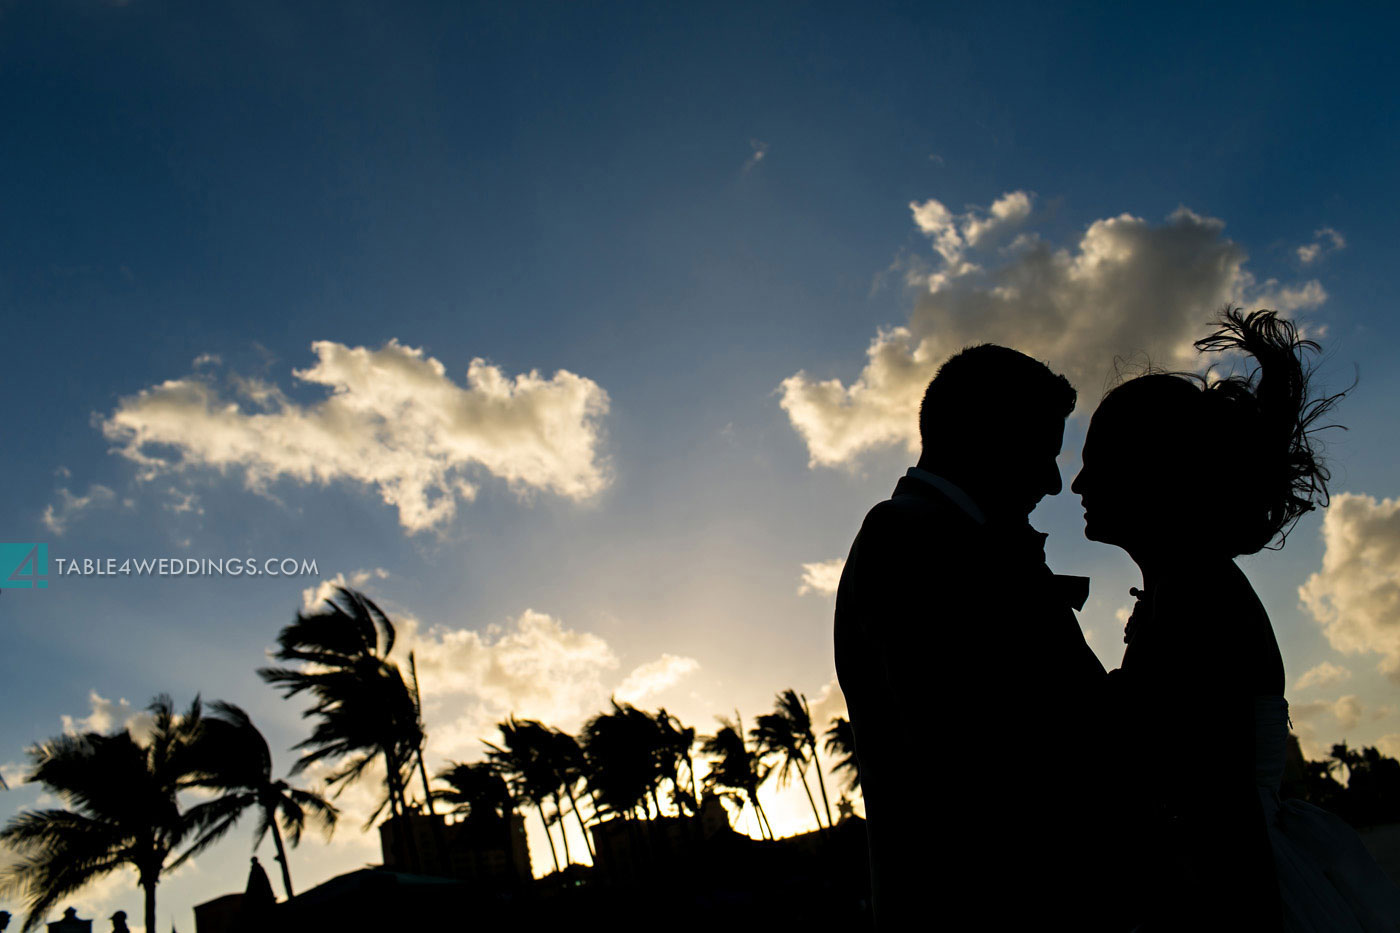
[[1322, 675], [826, 705], [107, 716], [534, 667], [1355, 597], [1325, 240], [314, 597], [1125, 287], [1346, 710], [759, 150], [653, 677], [182, 501], [58, 516], [393, 420], [822, 577]]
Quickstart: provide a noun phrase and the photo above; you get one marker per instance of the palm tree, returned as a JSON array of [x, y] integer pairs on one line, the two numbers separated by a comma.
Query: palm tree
[[476, 791], [365, 709], [787, 733], [736, 767], [674, 742], [773, 736], [622, 750], [841, 741], [572, 767], [122, 795], [524, 760], [236, 760]]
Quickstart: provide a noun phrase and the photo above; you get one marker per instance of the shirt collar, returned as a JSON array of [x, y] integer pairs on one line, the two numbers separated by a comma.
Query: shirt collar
[[959, 498]]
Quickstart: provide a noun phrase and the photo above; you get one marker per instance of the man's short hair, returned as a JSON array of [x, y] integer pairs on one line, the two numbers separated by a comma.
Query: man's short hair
[[982, 387]]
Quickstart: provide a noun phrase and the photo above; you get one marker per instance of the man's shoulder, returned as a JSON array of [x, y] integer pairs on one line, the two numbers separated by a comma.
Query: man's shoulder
[[910, 512]]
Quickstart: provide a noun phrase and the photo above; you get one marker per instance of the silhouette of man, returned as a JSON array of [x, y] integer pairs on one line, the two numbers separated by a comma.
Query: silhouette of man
[[969, 684], [119, 922]]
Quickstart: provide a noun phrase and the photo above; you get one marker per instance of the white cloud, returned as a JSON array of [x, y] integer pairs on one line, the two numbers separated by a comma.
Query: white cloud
[[827, 704], [534, 667], [313, 598], [393, 420], [13, 773], [651, 678], [1325, 240], [822, 577], [1355, 597], [58, 516], [1346, 711], [759, 151], [182, 500], [1322, 675], [1124, 288], [103, 716]]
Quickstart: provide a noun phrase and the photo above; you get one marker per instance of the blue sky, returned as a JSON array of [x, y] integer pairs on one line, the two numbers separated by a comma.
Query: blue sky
[[679, 210]]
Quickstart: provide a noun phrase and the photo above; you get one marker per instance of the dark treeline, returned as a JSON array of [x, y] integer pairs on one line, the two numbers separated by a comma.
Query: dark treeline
[[130, 792], [1368, 795]]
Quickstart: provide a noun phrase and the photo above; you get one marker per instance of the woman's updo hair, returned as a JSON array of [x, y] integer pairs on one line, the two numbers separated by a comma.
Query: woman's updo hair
[[1250, 437]]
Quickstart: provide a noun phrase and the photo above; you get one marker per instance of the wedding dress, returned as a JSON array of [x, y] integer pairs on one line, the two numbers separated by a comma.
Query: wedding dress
[[1329, 883]]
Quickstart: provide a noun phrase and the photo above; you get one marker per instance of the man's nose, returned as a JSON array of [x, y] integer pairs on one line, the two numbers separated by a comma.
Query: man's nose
[[1055, 482]]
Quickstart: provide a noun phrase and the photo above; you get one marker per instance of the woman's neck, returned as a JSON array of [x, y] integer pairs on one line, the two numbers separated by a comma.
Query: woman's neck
[[1158, 564]]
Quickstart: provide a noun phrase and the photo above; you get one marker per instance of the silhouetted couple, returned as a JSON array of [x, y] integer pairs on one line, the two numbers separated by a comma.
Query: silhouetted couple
[[1009, 781]]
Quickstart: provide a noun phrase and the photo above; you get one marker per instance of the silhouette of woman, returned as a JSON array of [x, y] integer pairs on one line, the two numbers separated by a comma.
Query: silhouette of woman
[[1186, 475]]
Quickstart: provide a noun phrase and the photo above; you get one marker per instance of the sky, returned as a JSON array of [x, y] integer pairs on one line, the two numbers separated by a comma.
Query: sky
[[582, 337]]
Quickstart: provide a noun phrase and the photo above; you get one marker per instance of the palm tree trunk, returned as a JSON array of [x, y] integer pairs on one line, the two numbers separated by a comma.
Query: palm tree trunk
[[281, 855], [826, 804], [547, 834], [694, 794], [573, 804], [408, 849], [439, 839], [762, 817], [802, 773], [427, 791], [150, 889], [563, 828]]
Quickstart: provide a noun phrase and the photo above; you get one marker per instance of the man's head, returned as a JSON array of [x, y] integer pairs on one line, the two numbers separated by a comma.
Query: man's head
[[992, 421]]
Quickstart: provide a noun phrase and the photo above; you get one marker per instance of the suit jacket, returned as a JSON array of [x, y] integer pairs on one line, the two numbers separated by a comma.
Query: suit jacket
[[973, 697]]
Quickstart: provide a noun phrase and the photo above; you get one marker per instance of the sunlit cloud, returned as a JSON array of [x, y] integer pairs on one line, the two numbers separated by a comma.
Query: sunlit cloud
[[1355, 597], [393, 420], [105, 715], [69, 507], [314, 598], [1125, 288], [822, 577], [759, 149], [1346, 712], [1325, 240], [653, 677], [1325, 674]]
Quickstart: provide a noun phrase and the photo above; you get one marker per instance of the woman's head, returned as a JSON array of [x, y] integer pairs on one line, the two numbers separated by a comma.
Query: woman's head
[[1226, 466]]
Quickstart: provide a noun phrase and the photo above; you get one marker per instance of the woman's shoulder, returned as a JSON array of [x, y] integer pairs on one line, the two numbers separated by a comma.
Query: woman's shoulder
[[1205, 592], [1212, 605]]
